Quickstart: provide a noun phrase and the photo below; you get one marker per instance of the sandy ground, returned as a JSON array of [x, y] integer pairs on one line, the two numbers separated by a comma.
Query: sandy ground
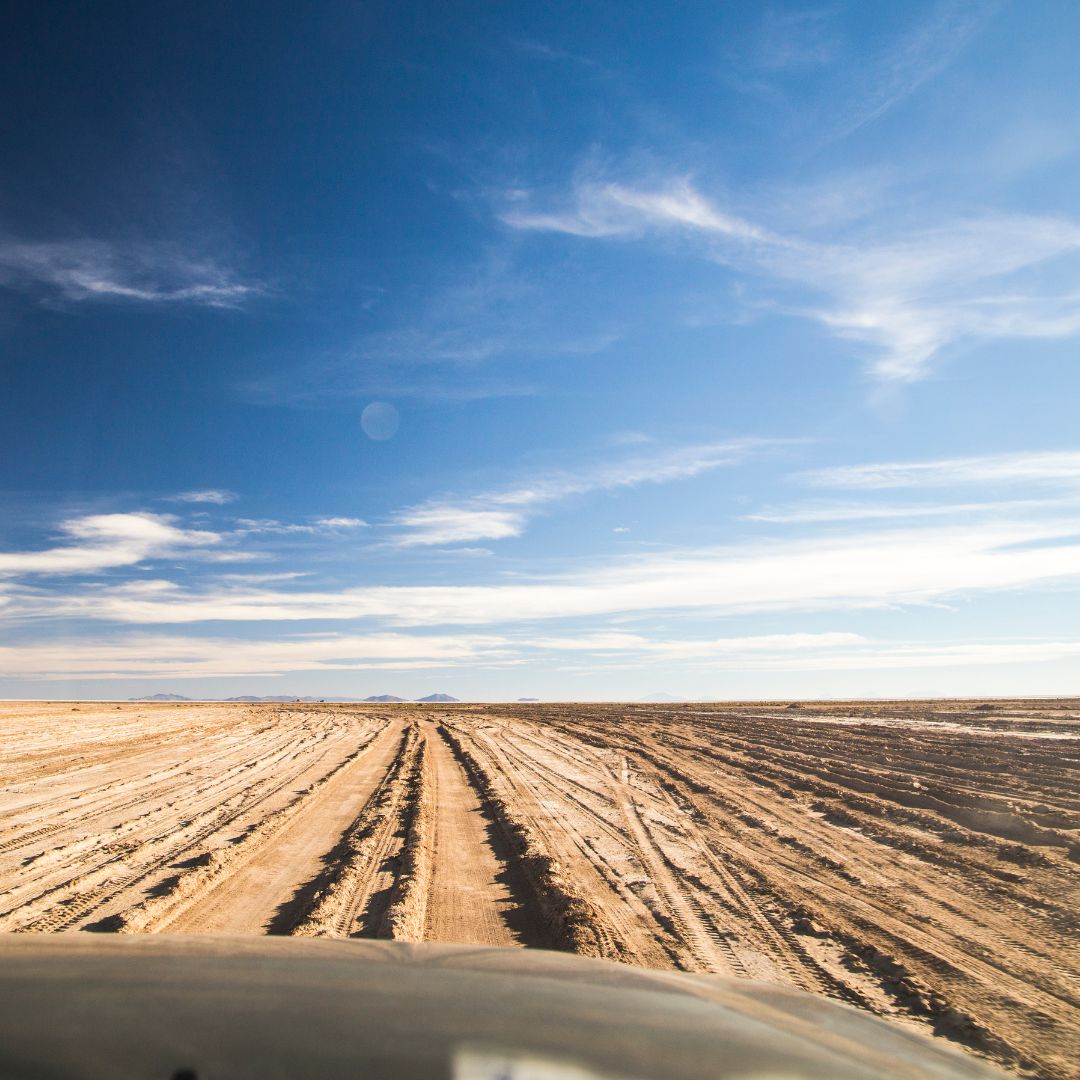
[[919, 860]]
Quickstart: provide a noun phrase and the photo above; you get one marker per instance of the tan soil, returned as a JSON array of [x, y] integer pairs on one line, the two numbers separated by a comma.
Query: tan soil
[[476, 898], [249, 897], [916, 859]]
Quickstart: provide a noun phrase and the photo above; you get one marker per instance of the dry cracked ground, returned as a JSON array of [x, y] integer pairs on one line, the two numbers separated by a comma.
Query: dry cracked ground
[[919, 860]]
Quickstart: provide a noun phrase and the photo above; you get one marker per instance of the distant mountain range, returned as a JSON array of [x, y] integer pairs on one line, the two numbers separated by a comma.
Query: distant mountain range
[[381, 698]]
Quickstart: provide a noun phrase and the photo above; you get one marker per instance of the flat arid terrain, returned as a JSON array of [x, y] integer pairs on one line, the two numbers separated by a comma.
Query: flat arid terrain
[[919, 860]]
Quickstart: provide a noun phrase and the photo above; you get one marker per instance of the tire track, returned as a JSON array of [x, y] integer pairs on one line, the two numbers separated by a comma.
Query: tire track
[[476, 895], [90, 892], [710, 953], [352, 895], [276, 861], [615, 931]]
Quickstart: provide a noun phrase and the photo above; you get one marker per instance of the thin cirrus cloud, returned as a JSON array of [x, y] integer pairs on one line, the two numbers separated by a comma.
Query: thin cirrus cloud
[[786, 41], [707, 648], [811, 652], [921, 54], [98, 542], [164, 656], [106, 541], [1046, 467], [504, 513], [213, 496], [863, 569], [341, 523], [435, 525], [916, 655], [444, 347], [1056, 473], [828, 651], [433, 370], [271, 526], [907, 296], [816, 515], [88, 269], [861, 84], [140, 656]]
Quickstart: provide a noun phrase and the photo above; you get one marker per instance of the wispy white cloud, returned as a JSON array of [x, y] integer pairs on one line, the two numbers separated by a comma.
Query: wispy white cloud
[[789, 40], [917, 57], [162, 656], [831, 514], [100, 542], [1046, 467], [215, 496], [909, 299], [263, 578], [105, 541], [834, 651], [500, 514], [907, 295], [271, 526], [864, 569], [708, 648], [168, 656], [81, 270], [863, 80], [341, 523], [427, 364], [607, 209], [443, 349], [880, 656], [447, 524]]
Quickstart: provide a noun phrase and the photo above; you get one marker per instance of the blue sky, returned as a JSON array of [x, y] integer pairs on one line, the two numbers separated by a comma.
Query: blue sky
[[562, 351]]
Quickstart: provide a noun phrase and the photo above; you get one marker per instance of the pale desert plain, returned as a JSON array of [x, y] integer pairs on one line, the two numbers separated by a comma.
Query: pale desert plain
[[918, 860]]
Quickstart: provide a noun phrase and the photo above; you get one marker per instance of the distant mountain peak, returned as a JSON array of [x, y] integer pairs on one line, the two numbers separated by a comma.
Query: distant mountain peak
[[438, 697]]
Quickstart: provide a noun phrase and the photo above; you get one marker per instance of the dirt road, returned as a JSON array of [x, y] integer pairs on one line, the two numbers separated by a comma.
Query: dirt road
[[478, 894], [267, 882], [918, 860]]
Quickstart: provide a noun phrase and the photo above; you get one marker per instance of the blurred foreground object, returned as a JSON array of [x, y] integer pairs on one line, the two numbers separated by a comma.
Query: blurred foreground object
[[191, 1008]]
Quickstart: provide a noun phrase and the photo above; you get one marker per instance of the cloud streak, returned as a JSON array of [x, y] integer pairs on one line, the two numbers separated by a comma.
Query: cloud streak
[[501, 514], [830, 651], [84, 270], [867, 569], [106, 541], [612, 209], [818, 515], [172, 656], [213, 496], [699, 649], [917, 58], [273, 527], [1047, 467], [908, 296], [443, 347], [167, 656]]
